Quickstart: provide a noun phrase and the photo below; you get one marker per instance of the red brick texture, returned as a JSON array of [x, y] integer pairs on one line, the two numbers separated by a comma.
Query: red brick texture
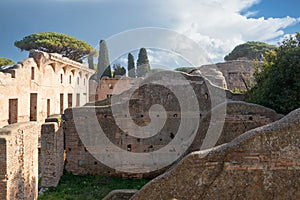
[[19, 161]]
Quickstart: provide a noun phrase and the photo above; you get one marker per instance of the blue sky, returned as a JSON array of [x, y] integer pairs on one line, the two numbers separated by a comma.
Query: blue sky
[[216, 25]]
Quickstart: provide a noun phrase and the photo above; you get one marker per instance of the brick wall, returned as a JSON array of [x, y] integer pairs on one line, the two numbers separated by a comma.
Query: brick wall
[[52, 152], [3, 168], [19, 155], [263, 163], [240, 118]]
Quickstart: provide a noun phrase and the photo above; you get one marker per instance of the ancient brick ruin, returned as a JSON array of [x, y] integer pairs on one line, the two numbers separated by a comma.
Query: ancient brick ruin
[[257, 156], [263, 163], [236, 74], [19, 161], [240, 117], [39, 86], [42, 85]]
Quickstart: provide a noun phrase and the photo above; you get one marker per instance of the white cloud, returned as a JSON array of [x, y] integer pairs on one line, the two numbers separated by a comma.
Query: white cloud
[[218, 25]]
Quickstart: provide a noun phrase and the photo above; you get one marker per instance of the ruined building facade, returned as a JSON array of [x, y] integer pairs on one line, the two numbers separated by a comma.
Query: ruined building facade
[[41, 85], [83, 124]]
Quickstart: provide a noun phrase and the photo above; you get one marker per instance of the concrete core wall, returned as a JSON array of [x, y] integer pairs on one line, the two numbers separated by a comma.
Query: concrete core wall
[[52, 152], [240, 117], [263, 163], [19, 161]]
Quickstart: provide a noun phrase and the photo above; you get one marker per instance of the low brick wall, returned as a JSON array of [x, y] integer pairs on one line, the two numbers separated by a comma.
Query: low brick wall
[[240, 117], [107, 130], [52, 152], [19, 161], [263, 163]]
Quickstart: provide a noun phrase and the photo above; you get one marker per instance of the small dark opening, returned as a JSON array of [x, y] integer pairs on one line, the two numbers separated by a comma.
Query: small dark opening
[[85, 149], [32, 73], [206, 96], [175, 115], [138, 139], [172, 135], [129, 147], [151, 147], [250, 118], [160, 139], [108, 172], [157, 115], [142, 116], [95, 163], [69, 149], [105, 116]]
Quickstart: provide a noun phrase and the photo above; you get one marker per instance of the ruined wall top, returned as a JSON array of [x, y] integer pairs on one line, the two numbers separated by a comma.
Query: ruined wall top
[[43, 58]]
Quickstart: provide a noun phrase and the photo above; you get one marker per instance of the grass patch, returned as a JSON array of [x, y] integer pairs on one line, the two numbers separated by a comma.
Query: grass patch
[[88, 187]]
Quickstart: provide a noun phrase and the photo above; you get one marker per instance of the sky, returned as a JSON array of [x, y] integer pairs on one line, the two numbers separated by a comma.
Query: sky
[[216, 26]]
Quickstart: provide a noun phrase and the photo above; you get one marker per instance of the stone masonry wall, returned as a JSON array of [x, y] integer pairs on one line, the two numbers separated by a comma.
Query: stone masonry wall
[[236, 73], [240, 117], [3, 167], [19, 161], [42, 85], [263, 163], [52, 152]]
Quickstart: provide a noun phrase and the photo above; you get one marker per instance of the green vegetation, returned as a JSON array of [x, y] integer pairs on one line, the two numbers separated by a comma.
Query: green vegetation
[[5, 62], [103, 67], [52, 42], [143, 66], [88, 187], [131, 66], [184, 69], [277, 79], [249, 50], [238, 91]]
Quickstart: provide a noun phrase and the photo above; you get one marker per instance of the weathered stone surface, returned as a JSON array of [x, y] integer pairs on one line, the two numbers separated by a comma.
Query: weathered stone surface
[[19, 161], [51, 161], [237, 117], [120, 195], [263, 163], [236, 73], [41, 85], [212, 73]]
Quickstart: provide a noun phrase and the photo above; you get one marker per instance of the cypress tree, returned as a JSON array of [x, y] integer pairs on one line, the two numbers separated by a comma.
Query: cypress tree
[[103, 67], [119, 70], [143, 66], [131, 66]]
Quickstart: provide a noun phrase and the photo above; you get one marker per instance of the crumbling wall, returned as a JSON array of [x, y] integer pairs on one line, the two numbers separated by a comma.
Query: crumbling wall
[[237, 74], [19, 161], [52, 152], [107, 86], [240, 117], [263, 163], [41, 85]]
